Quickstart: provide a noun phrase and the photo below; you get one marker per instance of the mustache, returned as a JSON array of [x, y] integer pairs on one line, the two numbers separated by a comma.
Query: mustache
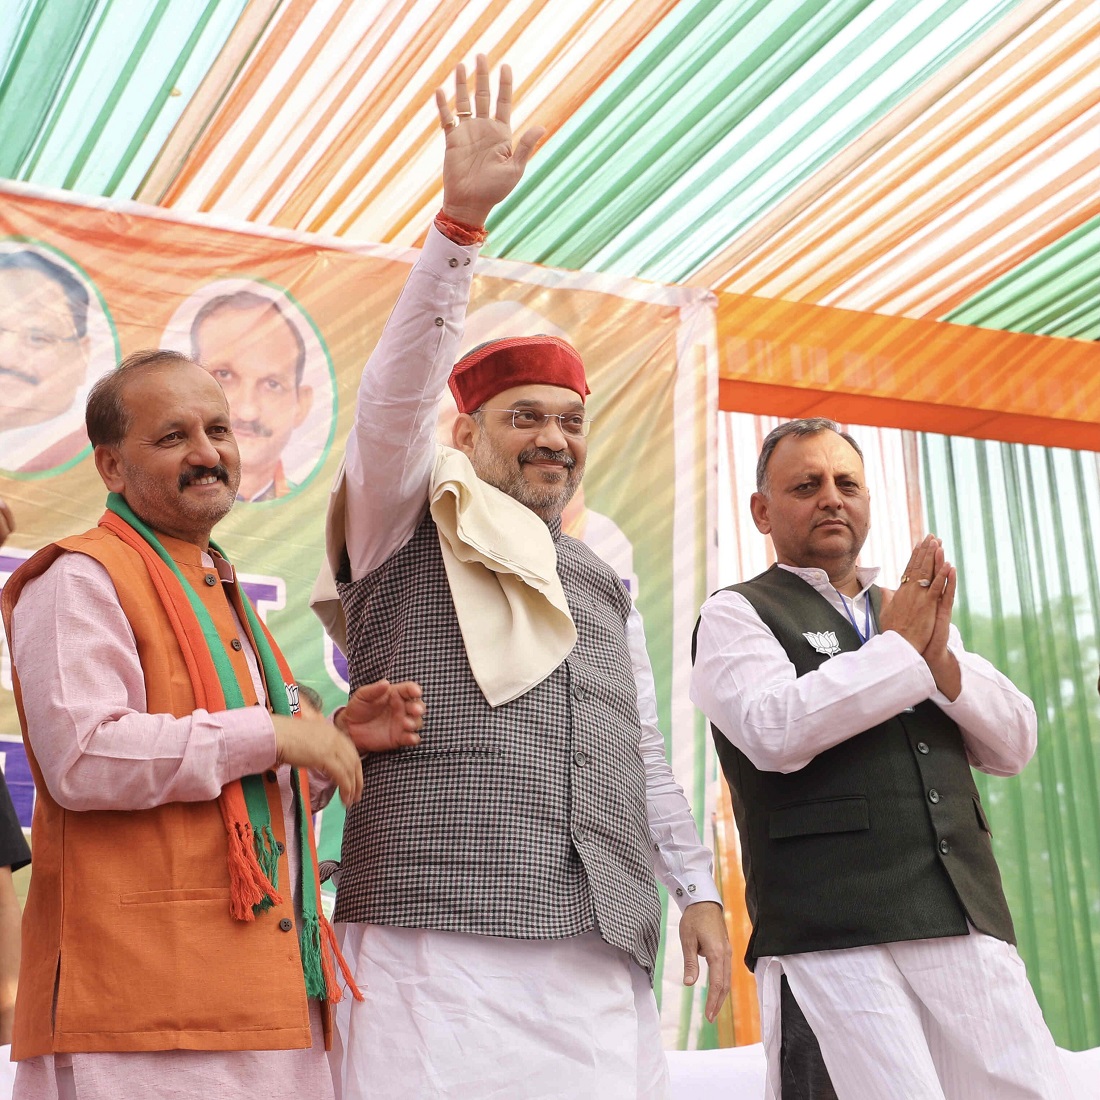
[[544, 454], [15, 372], [194, 473], [253, 427]]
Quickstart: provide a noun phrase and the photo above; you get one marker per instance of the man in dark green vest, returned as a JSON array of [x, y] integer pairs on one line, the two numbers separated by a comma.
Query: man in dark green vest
[[847, 719]]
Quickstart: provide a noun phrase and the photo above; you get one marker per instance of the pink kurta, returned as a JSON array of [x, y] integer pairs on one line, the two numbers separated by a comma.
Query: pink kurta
[[84, 697]]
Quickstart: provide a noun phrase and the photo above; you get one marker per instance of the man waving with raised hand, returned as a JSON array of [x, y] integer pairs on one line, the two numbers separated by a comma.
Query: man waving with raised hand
[[497, 884]]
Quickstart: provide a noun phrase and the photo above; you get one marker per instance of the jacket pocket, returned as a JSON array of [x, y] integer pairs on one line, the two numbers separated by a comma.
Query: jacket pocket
[[164, 897], [826, 815]]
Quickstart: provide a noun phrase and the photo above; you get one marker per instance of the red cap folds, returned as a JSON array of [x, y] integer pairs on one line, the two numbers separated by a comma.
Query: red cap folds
[[516, 361]]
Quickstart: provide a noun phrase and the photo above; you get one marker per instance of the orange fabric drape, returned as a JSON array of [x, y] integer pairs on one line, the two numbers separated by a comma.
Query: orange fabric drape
[[739, 1020], [793, 359], [867, 230], [358, 172]]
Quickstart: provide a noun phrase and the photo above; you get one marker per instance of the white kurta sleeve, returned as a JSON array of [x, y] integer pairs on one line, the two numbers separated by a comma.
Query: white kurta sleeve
[[745, 684], [997, 720], [680, 861], [389, 454]]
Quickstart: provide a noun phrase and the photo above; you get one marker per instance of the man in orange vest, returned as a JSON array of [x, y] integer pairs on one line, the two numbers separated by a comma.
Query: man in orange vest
[[173, 942]]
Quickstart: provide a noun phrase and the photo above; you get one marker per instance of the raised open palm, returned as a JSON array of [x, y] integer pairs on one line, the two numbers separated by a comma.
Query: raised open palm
[[480, 166]]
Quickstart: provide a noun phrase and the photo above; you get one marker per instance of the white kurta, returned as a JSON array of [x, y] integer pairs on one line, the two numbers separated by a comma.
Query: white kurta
[[941, 1019], [596, 1018], [455, 1017]]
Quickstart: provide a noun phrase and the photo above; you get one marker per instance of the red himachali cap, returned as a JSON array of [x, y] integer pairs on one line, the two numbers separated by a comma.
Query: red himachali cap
[[515, 361]]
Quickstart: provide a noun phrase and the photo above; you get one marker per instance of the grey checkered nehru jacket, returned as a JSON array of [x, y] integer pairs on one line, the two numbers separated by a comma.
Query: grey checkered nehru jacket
[[527, 820]]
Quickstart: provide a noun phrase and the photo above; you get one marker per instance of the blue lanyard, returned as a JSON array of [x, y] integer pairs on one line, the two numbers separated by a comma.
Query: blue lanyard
[[867, 616]]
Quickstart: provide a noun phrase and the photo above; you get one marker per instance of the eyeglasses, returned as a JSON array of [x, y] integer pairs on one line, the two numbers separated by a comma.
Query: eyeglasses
[[531, 420], [37, 339]]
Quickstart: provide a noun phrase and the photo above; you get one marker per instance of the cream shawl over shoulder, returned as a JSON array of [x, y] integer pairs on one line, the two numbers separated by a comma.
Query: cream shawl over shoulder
[[501, 565]]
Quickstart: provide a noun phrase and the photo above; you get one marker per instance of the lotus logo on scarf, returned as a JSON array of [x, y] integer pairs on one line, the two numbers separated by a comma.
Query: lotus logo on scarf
[[292, 697], [825, 642]]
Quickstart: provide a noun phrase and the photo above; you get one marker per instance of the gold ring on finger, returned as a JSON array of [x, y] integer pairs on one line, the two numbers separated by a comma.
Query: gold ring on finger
[[924, 584], [450, 125], [905, 578], [465, 114]]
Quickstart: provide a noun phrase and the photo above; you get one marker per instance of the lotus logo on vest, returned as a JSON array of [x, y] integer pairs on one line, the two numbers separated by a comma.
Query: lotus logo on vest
[[825, 642]]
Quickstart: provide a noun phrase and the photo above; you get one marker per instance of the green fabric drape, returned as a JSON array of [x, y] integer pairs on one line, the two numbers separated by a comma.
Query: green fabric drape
[[36, 58], [716, 116], [1055, 293], [1022, 524], [90, 89]]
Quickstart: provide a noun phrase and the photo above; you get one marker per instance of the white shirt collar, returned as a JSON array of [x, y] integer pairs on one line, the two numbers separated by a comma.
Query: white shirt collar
[[819, 579]]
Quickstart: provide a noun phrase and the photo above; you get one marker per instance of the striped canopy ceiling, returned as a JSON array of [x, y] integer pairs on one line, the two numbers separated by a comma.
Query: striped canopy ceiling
[[919, 158]]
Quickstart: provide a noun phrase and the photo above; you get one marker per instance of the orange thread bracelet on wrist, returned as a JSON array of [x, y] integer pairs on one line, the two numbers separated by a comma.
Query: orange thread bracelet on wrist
[[460, 232]]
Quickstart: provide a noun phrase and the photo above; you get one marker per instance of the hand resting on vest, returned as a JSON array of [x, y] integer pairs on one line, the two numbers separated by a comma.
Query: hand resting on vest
[[378, 717], [382, 716]]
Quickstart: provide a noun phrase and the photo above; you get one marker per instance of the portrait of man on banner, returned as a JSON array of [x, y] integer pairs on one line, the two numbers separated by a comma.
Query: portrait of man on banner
[[276, 373], [56, 339]]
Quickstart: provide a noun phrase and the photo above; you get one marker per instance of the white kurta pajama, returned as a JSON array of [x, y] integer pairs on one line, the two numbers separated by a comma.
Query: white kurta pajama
[[454, 1015], [952, 1018]]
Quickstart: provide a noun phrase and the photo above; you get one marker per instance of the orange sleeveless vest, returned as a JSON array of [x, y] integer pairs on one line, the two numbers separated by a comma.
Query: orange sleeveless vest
[[127, 915]]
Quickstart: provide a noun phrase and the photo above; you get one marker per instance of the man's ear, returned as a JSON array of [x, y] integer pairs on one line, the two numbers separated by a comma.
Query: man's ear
[[464, 432], [758, 505], [109, 464]]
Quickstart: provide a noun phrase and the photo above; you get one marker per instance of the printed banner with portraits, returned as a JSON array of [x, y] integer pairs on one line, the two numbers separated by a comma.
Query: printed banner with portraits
[[285, 323]]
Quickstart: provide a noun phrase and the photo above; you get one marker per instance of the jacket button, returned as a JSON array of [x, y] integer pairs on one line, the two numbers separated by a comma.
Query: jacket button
[[933, 795], [439, 322], [679, 892], [578, 694], [466, 262], [210, 580], [580, 758], [236, 644], [922, 748], [944, 847], [453, 262], [271, 776], [286, 924]]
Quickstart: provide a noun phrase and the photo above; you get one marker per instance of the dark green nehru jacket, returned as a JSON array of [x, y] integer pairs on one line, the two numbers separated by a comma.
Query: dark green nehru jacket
[[880, 838]]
